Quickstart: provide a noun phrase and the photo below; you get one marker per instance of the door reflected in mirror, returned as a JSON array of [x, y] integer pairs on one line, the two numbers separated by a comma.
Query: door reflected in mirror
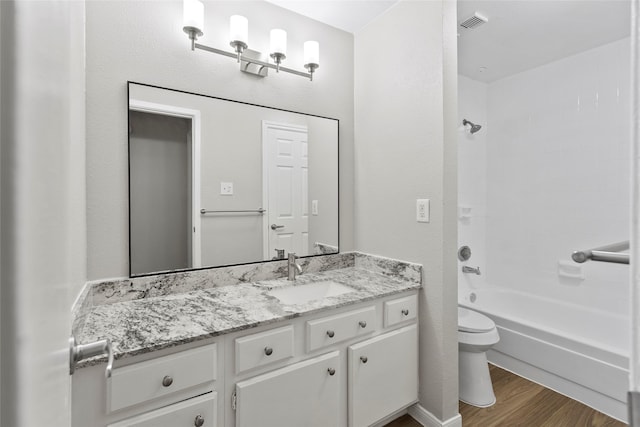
[[215, 182]]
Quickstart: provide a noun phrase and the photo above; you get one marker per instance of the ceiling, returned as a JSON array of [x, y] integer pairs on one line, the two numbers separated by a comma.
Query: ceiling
[[519, 34], [347, 15], [523, 34]]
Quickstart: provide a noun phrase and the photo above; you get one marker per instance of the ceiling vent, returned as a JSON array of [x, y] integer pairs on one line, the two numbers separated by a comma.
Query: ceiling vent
[[474, 21]]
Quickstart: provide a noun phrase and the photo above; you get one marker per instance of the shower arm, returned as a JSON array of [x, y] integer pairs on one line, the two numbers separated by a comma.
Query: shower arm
[[607, 253]]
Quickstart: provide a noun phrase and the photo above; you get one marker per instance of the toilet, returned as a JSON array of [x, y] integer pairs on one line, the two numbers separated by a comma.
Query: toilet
[[476, 334]]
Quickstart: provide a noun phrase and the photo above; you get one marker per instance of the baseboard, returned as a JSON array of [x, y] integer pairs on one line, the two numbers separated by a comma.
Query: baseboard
[[386, 420], [427, 419]]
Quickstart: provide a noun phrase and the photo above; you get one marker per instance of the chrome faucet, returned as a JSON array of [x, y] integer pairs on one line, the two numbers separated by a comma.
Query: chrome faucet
[[467, 269], [293, 266]]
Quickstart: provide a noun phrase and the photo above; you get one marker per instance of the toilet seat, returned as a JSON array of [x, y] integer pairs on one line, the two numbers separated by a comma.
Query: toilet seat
[[473, 322]]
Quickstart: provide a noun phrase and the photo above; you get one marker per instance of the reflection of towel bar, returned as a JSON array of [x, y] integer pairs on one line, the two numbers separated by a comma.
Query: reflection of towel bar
[[607, 253], [259, 210]]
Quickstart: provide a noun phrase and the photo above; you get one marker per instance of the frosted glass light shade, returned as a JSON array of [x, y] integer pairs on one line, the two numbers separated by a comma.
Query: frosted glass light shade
[[193, 14], [311, 52], [278, 41], [239, 29]]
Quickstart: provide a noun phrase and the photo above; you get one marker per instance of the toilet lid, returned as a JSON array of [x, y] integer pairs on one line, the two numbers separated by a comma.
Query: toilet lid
[[471, 321]]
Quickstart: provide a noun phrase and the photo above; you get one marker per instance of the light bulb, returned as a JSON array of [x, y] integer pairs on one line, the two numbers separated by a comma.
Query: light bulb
[[278, 41], [193, 15], [239, 29], [311, 53]]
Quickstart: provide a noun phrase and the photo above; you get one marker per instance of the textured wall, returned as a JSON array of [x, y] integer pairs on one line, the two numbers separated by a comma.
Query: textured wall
[[406, 149]]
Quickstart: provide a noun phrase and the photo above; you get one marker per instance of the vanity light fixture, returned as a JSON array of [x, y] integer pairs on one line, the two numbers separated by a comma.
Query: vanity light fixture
[[250, 61]]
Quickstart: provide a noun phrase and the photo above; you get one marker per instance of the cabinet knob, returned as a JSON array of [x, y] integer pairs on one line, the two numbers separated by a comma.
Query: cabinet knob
[[330, 334], [167, 381], [362, 324], [331, 371], [268, 351], [363, 359], [405, 312], [199, 421]]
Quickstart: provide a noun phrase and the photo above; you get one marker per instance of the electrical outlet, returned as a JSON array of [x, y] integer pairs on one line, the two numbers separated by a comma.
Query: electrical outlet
[[226, 188], [314, 207], [422, 210]]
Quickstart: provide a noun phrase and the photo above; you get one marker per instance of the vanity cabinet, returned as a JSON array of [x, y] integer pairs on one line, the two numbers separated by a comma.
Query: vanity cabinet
[[350, 368], [303, 394]]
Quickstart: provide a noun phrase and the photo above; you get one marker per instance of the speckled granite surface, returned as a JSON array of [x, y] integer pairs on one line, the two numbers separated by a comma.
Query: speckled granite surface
[[151, 323]]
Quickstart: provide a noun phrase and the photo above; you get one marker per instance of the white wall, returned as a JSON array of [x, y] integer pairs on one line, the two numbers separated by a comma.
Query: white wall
[[406, 149], [557, 175], [143, 41], [43, 227]]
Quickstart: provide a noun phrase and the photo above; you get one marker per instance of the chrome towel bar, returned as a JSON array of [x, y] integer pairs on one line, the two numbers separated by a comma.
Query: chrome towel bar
[[607, 253], [259, 210]]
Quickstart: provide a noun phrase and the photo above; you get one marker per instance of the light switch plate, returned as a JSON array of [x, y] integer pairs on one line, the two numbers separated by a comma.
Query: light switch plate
[[226, 188], [314, 207], [422, 210]]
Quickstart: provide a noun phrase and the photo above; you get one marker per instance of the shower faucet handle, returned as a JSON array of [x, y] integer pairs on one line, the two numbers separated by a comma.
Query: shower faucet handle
[[467, 269]]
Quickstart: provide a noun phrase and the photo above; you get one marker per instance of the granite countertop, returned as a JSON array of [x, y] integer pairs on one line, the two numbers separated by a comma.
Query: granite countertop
[[150, 324]]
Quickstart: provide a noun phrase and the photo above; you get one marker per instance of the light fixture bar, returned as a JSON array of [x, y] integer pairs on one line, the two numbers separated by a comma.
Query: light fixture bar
[[234, 55]]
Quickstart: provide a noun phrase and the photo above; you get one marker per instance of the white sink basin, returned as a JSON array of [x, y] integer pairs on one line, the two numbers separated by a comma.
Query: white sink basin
[[301, 294]]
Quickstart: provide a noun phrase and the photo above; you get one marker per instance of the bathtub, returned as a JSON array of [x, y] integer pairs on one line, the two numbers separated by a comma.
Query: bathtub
[[579, 352]]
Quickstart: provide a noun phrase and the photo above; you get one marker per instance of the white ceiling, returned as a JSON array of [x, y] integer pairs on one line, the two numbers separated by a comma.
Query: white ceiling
[[347, 15], [520, 34], [523, 34]]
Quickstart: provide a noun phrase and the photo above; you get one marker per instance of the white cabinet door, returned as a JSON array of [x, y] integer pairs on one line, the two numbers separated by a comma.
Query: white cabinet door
[[305, 394], [383, 375]]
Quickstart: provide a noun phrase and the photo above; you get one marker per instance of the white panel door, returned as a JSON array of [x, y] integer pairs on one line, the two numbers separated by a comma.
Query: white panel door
[[307, 395], [285, 149], [383, 375], [43, 198]]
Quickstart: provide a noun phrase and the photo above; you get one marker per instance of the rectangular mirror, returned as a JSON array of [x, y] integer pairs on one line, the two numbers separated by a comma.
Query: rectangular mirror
[[215, 182]]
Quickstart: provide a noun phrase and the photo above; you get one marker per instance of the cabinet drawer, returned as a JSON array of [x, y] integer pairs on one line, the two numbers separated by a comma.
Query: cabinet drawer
[[330, 330], [263, 348], [148, 380], [400, 310], [183, 414]]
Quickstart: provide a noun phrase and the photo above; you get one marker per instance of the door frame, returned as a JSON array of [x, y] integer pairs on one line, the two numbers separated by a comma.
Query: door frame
[[266, 165], [194, 116]]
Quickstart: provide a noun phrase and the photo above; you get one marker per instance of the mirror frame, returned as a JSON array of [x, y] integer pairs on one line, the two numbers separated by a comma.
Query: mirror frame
[[182, 270]]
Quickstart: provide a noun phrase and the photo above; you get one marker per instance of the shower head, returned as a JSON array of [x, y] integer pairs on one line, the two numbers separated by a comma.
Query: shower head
[[474, 128]]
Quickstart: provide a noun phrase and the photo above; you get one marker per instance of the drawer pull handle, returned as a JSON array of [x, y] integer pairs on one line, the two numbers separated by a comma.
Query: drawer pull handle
[[199, 421], [362, 324], [167, 381], [330, 334], [363, 359], [405, 312], [331, 371], [268, 351]]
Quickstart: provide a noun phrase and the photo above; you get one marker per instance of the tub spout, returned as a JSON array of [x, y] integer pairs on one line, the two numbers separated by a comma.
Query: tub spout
[[467, 269]]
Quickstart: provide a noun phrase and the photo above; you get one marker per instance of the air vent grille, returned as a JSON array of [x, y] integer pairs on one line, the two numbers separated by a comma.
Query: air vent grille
[[474, 21]]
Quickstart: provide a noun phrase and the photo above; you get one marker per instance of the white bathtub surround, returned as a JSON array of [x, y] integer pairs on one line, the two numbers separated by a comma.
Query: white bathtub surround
[[555, 175], [577, 351]]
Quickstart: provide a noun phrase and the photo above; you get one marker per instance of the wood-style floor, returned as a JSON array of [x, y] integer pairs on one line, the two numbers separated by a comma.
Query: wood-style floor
[[520, 402]]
